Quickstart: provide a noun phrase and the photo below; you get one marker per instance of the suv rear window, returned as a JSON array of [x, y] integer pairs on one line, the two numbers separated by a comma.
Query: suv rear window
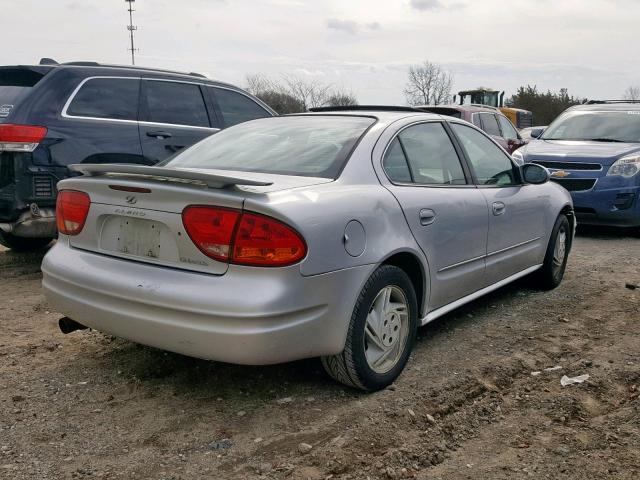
[[110, 98], [305, 145], [236, 107], [15, 85]]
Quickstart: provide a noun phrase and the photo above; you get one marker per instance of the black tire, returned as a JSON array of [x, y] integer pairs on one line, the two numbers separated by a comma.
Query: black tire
[[23, 244], [552, 271], [351, 366]]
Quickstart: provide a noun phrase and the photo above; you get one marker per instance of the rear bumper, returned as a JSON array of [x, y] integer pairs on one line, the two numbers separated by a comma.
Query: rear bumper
[[28, 195], [34, 223], [247, 316], [618, 206]]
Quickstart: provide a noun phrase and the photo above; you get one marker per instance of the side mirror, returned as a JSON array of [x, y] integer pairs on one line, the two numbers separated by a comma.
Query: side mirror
[[534, 174], [537, 132]]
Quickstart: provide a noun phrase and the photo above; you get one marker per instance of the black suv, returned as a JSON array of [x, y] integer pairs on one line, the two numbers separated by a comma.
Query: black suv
[[53, 115]]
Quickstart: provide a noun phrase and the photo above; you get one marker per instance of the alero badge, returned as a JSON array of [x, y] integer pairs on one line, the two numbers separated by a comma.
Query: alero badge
[[560, 174]]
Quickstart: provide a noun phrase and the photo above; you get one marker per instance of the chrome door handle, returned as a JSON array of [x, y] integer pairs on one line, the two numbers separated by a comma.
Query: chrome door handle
[[498, 208], [427, 216], [159, 134]]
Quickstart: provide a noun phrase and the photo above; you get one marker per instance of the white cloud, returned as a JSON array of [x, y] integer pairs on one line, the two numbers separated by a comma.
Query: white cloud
[[347, 26], [426, 4], [351, 27]]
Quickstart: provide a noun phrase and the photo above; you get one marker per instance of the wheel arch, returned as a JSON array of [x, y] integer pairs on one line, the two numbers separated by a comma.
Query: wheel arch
[[567, 210], [416, 270]]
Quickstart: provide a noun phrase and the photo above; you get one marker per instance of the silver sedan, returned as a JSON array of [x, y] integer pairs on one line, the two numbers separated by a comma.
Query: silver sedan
[[333, 234]]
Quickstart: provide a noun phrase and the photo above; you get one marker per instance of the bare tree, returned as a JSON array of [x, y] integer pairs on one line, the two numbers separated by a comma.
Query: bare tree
[[258, 83], [341, 99], [308, 92], [273, 94], [631, 93], [294, 94], [428, 84]]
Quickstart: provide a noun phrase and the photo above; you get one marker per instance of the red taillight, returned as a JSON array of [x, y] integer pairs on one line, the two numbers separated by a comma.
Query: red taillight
[[20, 138], [263, 241], [72, 208], [243, 238], [211, 229]]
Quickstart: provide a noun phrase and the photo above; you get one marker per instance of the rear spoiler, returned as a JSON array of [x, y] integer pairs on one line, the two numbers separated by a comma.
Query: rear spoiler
[[212, 180]]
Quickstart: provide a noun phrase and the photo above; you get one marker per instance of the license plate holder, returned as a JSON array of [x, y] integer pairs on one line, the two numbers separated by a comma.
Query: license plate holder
[[138, 237]]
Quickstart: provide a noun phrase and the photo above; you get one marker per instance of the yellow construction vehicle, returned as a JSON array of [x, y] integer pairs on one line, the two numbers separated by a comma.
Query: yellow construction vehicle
[[494, 98]]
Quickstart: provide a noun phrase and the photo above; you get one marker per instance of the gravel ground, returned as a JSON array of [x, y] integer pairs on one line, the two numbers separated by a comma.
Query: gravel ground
[[87, 405]]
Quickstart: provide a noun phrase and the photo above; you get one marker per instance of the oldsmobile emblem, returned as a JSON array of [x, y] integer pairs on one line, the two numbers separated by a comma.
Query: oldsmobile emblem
[[560, 174], [5, 110], [131, 199]]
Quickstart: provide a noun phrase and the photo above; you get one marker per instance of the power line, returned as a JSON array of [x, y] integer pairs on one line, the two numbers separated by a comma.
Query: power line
[[131, 27]]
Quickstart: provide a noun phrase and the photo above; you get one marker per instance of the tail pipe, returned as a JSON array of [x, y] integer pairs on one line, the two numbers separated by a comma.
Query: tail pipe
[[67, 325]]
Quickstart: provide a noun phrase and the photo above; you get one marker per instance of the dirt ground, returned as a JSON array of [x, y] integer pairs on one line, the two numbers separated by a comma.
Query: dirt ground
[[90, 406]]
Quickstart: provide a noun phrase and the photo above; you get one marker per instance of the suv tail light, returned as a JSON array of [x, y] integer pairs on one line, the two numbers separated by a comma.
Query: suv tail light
[[20, 138], [243, 238], [72, 208]]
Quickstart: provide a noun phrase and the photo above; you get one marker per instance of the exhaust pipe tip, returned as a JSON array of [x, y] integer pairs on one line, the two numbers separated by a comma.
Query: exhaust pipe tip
[[67, 325]]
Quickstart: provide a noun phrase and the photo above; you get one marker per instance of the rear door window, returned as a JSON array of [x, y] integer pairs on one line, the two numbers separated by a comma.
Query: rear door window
[[108, 98], [395, 163], [236, 107], [174, 103], [15, 85], [431, 155], [490, 124]]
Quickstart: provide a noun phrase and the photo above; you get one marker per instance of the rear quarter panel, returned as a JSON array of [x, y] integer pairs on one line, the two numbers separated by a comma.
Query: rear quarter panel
[[321, 214]]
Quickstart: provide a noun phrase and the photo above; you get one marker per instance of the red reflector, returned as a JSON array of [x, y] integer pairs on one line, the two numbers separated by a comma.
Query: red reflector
[[72, 208], [264, 241], [21, 133], [124, 188], [211, 229]]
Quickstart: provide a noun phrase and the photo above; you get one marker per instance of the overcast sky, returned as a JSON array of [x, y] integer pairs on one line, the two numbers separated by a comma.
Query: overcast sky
[[365, 46]]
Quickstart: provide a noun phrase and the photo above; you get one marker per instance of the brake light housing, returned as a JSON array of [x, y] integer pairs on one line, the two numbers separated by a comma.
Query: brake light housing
[[72, 208], [20, 138], [243, 238]]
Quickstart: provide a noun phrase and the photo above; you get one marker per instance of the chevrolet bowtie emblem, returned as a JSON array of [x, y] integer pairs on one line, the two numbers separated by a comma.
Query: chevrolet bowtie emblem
[[560, 174]]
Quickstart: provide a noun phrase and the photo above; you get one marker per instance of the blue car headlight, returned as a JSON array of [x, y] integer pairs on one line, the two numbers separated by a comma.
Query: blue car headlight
[[626, 166]]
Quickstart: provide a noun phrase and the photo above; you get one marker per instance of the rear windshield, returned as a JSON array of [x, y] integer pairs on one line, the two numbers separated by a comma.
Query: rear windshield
[[622, 126], [310, 146], [15, 85]]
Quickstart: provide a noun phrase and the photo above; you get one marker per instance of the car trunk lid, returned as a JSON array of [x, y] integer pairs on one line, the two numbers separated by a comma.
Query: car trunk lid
[[136, 211]]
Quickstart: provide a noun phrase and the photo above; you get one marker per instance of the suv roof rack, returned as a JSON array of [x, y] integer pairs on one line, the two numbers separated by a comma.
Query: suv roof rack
[[365, 108], [135, 67], [597, 102], [47, 61]]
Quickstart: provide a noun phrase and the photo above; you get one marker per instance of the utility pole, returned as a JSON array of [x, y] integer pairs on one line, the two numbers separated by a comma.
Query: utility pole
[[131, 27]]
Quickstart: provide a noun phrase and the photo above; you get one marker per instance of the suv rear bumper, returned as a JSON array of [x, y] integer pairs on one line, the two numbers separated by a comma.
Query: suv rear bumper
[[34, 223], [248, 316], [619, 207], [28, 195]]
